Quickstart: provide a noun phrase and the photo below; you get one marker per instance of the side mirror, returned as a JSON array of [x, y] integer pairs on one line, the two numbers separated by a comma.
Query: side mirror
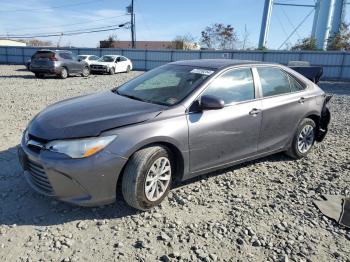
[[208, 102]]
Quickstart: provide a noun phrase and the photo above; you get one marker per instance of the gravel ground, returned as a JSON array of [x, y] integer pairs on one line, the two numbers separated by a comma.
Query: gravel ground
[[260, 211]]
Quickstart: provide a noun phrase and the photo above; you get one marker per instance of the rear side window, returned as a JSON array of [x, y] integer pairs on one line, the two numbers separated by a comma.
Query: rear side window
[[66, 56], [295, 86], [273, 81], [233, 86]]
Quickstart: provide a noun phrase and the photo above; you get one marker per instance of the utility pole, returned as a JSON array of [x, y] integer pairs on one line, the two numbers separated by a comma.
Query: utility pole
[[130, 10]]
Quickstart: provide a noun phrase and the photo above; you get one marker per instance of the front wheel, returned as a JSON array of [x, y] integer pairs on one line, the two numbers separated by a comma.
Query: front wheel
[[147, 177], [303, 140], [86, 72], [111, 71]]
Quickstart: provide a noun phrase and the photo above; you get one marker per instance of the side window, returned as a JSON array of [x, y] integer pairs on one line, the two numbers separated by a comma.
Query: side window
[[273, 81], [295, 86], [233, 86], [66, 56], [122, 58], [93, 58]]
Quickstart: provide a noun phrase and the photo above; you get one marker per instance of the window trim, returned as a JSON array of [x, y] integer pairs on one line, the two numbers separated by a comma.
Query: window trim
[[223, 72], [287, 74]]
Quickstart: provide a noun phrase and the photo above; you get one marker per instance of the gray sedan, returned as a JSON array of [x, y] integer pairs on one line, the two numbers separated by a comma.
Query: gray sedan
[[170, 124]]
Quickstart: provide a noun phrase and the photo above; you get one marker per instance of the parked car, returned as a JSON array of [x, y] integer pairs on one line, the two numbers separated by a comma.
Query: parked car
[[111, 64], [27, 64], [57, 62], [88, 58], [172, 123]]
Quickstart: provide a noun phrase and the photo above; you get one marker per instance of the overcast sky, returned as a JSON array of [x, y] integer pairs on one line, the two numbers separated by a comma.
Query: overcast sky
[[155, 19]]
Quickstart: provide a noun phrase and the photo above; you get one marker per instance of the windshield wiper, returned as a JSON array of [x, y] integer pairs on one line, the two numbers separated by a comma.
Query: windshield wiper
[[131, 96]]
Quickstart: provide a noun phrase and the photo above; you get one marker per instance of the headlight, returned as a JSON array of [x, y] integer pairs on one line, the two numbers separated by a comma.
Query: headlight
[[80, 148]]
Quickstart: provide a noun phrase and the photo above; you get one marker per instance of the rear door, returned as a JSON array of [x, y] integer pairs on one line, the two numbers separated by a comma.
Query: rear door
[[121, 64], [217, 137], [284, 104]]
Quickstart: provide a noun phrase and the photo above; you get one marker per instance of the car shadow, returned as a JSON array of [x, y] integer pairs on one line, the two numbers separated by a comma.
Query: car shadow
[[22, 70], [20, 205], [18, 76], [278, 157]]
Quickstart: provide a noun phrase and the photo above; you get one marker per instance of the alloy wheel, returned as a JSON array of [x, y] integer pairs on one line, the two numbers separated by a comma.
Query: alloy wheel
[[306, 139], [158, 179]]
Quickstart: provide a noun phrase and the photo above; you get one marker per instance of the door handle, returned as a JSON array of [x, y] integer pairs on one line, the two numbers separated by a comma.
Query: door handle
[[301, 100], [254, 112]]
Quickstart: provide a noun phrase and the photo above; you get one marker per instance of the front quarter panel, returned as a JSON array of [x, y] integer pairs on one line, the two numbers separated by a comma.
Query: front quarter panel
[[169, 127]]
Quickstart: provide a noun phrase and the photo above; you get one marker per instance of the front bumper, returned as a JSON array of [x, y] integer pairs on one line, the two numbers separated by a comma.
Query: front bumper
[[85, 182], [99, 69]]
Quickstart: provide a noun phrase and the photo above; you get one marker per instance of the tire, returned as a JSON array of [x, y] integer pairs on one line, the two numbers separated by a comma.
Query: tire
[[111, 71], [138, 169], [86, 72], [64, 73], [296, 150], [128, 69], [39, 75]]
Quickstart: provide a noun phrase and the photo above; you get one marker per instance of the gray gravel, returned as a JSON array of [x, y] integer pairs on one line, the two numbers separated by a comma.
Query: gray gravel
[[260, 211]]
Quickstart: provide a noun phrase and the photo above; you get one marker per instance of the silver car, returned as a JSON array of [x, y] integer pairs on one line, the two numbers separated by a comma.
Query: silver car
[[170, 124]]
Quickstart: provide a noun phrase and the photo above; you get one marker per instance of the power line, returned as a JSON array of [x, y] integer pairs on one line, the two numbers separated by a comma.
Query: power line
[[298, 26], [48, 8], [68, 25], [69, 33]]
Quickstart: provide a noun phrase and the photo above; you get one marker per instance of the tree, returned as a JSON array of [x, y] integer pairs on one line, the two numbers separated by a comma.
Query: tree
[[185, 42], [341, 40], [37, 43], [219, 36], [110, 42], [308, 43]]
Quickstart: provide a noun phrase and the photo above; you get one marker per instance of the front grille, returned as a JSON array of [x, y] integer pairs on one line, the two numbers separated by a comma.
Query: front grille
[[98, 67], [39, 178]]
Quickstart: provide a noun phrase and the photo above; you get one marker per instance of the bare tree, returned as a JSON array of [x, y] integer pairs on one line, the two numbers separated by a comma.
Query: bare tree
[[219, 36], [37, 43], [110, 42], [307, 43], [185, 42]]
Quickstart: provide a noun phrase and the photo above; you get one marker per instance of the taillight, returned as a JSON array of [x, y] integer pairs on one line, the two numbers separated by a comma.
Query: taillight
[[53, 58]]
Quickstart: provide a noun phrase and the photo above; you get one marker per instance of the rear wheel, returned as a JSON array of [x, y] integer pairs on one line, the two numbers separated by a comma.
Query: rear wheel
[[111, 71], [303, 140], [64, 73], [86, 72], [128, 69], [147, 177]]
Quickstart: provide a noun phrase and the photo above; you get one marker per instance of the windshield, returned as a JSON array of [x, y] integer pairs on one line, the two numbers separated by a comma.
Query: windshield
[[106, 59], [82, 57], [166, 85]]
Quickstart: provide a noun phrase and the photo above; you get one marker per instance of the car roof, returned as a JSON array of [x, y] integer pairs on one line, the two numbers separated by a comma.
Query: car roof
[[216, 63]]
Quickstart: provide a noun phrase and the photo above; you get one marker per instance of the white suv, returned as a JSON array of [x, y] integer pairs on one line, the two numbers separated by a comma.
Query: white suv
[[111, 64]]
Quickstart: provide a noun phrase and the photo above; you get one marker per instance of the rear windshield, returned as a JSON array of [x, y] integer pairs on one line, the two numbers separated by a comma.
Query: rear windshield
[[43, 54]]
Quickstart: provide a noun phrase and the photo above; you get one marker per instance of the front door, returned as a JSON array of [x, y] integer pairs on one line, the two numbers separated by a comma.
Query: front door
[[217, 137]]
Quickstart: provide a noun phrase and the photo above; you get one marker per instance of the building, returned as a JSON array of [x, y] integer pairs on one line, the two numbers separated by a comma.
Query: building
[[148, 45], [9, 42]]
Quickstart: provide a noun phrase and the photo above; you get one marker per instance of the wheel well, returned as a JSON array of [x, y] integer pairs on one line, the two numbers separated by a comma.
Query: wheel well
[[177, 158], [316, 119]]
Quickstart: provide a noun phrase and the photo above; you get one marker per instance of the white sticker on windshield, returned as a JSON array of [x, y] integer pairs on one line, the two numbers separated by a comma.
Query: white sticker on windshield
[[202, 72]]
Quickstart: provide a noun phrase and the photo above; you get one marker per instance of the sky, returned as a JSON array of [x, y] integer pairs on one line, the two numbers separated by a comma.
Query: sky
[[155, 19]]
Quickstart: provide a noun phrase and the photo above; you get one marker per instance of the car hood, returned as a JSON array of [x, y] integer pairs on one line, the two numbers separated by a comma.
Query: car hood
[[90, 115], [101, 63]]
